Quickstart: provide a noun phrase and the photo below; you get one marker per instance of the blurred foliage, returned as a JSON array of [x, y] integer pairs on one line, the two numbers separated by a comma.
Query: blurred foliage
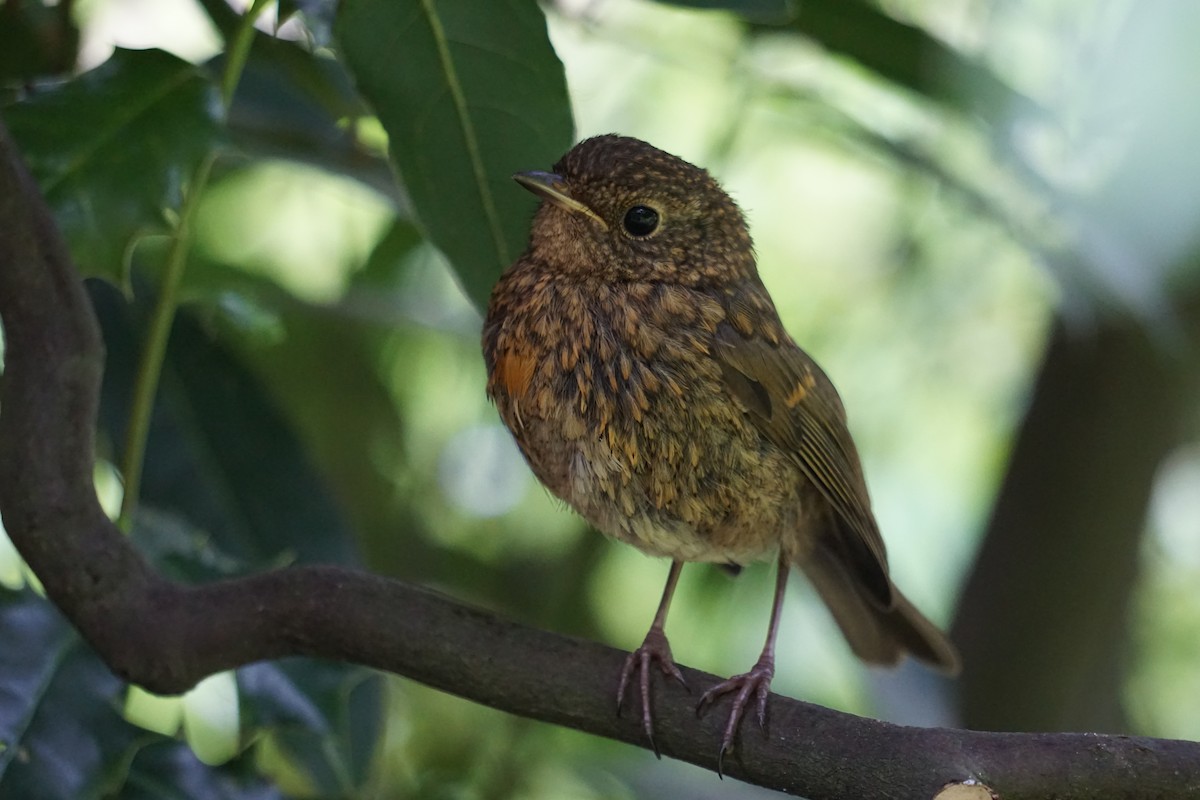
[[36, 39], [907, 167]]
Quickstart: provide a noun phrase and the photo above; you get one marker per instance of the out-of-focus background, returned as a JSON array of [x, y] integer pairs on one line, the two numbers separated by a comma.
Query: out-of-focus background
[[981, 217]]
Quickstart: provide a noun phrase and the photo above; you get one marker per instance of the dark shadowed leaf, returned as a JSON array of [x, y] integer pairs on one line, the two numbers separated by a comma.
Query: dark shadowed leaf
[[303, 88], [36, 39], [469, 93], [228, 487], [62, 734], [324, 717], [219, 454], [114, 148], [169, 770]]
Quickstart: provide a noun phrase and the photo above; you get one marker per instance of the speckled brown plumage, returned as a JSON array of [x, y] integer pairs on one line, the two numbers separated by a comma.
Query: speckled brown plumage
[[642, 368]]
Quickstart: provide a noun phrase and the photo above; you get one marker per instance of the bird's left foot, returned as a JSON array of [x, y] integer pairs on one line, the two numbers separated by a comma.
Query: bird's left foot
[[757, 684]]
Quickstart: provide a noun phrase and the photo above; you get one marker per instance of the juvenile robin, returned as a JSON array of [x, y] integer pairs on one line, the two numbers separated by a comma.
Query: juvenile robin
[[640, 364]]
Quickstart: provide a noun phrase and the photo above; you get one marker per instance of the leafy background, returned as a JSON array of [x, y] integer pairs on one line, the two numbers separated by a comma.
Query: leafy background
[[934, 189]]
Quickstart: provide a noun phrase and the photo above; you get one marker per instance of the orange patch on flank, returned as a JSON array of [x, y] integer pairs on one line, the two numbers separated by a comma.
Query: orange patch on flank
[[514, 371]]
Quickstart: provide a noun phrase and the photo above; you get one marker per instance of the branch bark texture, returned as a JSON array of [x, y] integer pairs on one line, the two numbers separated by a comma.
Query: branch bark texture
[[167, 636]]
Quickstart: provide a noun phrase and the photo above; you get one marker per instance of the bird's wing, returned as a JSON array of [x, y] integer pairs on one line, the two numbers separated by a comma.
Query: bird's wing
[[794, 405]]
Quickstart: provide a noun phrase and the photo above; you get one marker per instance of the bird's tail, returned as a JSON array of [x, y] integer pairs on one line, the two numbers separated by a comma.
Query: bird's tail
[[877, 635]]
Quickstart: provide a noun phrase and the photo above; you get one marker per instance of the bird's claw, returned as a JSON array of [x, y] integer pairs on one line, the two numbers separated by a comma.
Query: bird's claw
[[654, 649], [756, 683]]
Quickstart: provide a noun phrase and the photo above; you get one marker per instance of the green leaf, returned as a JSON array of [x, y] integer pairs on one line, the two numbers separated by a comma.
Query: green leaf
[[282, 78], [324, 717], [348, 419], [219, 455], [59, 725], [113, 149], [169, 770], [469, 93], [229, 486], [62, 736]]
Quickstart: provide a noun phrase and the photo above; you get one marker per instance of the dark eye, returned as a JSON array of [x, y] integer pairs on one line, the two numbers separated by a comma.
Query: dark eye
[[641, 221]]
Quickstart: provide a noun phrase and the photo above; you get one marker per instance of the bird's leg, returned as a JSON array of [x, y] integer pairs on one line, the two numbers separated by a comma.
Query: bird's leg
[[654, 649], [757, 681]]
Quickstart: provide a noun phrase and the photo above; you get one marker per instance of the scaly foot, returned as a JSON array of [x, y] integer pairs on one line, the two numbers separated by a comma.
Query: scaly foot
[[756, 682], [654, 649]]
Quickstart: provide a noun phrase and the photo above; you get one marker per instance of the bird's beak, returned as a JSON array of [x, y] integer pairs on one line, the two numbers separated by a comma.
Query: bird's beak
[[552, 187]]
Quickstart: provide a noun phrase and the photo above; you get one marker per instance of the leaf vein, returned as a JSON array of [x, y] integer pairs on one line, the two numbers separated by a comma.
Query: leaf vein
[[469, 135]]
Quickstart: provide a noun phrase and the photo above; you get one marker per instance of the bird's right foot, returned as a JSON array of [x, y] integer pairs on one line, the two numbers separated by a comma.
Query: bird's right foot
[[654, 649], [754, 684]]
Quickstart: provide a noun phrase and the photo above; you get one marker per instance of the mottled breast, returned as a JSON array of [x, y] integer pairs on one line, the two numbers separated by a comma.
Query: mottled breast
[[614, 397]]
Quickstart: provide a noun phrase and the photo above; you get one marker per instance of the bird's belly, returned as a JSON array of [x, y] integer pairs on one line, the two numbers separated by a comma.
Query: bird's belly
[[691, 480], [733, 516]]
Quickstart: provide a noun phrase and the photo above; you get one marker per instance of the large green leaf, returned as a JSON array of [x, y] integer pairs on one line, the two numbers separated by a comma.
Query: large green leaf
[[113, 150], [469, 93]]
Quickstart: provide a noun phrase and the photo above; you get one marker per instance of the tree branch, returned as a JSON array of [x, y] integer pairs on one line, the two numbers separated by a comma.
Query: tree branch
[[167, 636]]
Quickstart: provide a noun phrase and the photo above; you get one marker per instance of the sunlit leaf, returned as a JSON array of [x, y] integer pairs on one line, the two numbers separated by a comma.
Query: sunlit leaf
[[469, 93], [113, 149], [210, 718]]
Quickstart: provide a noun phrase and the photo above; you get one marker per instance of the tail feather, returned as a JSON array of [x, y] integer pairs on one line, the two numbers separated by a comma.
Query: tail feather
[[877, 635]]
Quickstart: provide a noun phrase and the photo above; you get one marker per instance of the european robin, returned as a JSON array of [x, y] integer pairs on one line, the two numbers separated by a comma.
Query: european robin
[[641, 365]]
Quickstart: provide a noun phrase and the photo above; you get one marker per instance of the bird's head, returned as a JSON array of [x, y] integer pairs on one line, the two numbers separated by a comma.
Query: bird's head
[[617, 208]]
